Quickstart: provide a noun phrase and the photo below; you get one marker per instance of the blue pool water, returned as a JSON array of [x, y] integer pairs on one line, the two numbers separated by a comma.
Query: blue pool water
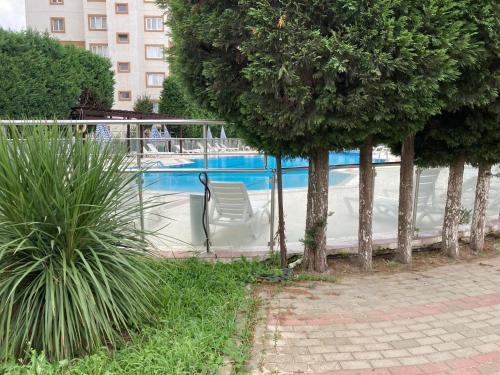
[[188, 182]]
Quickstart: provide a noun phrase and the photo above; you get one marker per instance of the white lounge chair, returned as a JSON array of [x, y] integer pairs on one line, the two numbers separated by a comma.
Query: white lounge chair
[[154, 150], [223, 147], [177, 150], [427, 199], [231, 207], [209, 147]]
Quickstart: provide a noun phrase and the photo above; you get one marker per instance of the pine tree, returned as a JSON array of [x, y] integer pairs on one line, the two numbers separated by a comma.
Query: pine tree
[[301, 79], [468, 130]]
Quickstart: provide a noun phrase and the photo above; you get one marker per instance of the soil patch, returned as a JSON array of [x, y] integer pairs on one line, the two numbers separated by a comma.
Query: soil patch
[[423, 259]]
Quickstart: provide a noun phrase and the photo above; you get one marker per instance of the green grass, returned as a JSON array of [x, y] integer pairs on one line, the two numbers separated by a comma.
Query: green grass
[[196, 328], [314, 277]]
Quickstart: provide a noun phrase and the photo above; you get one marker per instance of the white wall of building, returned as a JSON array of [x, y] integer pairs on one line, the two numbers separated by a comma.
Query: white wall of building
[[76, 14]]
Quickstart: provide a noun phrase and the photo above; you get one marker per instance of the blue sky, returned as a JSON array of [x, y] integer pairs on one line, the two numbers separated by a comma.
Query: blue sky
[[12, 14]]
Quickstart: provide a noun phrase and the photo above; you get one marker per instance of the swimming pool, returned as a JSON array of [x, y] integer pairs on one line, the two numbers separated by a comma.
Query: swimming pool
[[188, 182]]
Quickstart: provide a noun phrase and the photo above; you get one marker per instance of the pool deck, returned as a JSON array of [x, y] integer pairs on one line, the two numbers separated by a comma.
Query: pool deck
[[173, 223]]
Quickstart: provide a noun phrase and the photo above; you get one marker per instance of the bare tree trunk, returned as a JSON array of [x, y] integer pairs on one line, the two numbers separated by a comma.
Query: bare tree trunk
[[452, 210], [405, 211], [281, 215], [366, 184], [480, 206], [317, 212]]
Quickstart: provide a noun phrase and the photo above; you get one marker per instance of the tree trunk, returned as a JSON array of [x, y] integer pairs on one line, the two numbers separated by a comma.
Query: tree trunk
[[405, 210], [366, 184], [317, 212], [480, 206], [281, 215], [452, 210]]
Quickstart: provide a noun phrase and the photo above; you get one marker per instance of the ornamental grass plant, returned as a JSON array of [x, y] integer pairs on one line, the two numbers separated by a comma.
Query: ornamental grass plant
[[72, 272]]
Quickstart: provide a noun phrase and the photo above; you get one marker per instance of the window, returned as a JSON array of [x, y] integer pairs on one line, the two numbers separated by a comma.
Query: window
[[122, 38], [56, 2], [123, 67], [99, 49], [57, 25], [153, 23], [98, 22], [156, 107], [154, 51], [154, 79], [124, 95], [121, 8]]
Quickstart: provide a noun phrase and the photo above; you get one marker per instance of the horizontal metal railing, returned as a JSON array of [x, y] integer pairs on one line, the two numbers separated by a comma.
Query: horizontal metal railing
[[115, 122], [250, 170], [139, 141]]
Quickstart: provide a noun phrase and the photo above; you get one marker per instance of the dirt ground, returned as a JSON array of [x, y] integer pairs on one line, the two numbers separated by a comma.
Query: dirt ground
[[423, 259]]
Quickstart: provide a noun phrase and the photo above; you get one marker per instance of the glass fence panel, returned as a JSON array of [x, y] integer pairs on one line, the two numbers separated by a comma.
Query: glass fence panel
[[294, 207], [238, 211], [386, 202], [430, 200], [494, 196], [468, 193], [343, 193]]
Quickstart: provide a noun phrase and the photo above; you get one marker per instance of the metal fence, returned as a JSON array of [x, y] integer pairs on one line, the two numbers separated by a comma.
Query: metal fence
[[169, 177]]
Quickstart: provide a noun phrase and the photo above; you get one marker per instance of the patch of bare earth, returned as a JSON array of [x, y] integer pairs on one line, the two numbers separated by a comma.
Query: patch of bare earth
[[423, 259]]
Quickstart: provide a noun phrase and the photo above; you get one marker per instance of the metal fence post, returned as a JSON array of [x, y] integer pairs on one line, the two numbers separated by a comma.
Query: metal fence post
[[271, 224], [140, 183], [205, 156], [415, 200]]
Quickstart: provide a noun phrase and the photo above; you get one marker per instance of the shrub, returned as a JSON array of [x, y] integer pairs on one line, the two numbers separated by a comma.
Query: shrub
[[143, 104], [73, 273], [41, 78]]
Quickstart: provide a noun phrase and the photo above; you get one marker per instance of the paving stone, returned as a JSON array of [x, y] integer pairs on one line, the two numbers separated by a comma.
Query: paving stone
[[354, 365], [368, 355], [396, 353], [338, 356], [422, 350], [381, 363], [443, 321]]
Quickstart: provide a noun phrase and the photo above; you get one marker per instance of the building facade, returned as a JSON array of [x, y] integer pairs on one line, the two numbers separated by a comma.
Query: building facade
[[130, 32]]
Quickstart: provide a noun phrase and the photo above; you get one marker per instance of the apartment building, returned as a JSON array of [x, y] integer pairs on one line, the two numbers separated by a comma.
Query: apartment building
[[130, 32]]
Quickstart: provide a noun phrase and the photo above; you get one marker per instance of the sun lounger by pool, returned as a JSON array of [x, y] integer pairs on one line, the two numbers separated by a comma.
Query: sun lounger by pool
[[231, 206], [152, 150]]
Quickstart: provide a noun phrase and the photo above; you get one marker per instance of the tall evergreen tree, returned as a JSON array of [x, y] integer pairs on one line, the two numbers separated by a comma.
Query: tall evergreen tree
[[468, 129], [301, 79]]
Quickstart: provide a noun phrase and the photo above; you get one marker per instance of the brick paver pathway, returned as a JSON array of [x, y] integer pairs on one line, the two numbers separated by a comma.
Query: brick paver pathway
[[441, 321]]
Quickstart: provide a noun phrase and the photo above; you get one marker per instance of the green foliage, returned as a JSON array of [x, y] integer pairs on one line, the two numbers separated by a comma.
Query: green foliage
[[41, 78], [143, 104], [470, 133], [93, 75], [73, 276], [469, 124], [465, 215], [176, 103], [315, 277], [298, 76], [172, 101], [195, 328]]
